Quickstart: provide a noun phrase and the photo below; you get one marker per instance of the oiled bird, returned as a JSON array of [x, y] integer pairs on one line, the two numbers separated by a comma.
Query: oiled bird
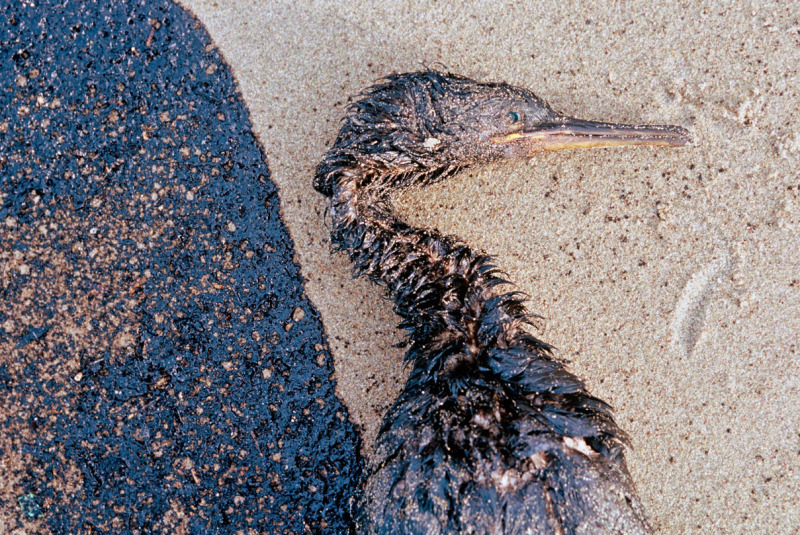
[[491, 433]]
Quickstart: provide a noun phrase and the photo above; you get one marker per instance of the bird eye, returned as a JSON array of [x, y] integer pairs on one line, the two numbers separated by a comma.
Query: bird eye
[[514, 116]]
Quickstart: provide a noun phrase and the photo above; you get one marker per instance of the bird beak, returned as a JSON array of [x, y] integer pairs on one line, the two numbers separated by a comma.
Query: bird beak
[[570, 133]]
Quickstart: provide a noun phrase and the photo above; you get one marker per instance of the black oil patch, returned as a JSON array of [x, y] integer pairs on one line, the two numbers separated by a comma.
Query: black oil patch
[[161, 369]]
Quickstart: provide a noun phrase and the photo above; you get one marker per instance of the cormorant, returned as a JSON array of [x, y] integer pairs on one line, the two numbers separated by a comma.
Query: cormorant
[[491, 433]]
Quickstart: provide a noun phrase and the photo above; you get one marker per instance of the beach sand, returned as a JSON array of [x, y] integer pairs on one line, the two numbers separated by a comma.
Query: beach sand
[[669, 278]]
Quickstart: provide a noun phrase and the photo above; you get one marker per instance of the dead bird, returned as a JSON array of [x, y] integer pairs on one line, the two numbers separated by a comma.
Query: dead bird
[[491, 433]]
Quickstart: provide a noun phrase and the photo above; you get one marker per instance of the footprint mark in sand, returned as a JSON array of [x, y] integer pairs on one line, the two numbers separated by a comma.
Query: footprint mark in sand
[[690, 311]]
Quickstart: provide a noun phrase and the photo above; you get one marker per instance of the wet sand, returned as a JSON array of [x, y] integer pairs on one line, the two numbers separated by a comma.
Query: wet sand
[[668, 277]]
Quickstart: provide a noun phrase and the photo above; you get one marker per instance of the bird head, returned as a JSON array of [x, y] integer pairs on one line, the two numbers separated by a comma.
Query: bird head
[[423, 126]]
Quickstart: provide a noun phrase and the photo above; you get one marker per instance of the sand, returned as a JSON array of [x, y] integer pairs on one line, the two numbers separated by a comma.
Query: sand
[[668, 277]]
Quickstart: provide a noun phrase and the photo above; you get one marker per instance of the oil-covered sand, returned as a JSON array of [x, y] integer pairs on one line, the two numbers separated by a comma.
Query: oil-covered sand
[[161, 368]]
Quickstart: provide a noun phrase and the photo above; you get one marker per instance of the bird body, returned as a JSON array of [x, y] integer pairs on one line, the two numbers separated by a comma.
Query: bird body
[[491, 433]]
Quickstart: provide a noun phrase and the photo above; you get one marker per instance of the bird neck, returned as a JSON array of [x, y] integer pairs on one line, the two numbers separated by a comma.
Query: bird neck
[[465, 329], [450, 298]]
